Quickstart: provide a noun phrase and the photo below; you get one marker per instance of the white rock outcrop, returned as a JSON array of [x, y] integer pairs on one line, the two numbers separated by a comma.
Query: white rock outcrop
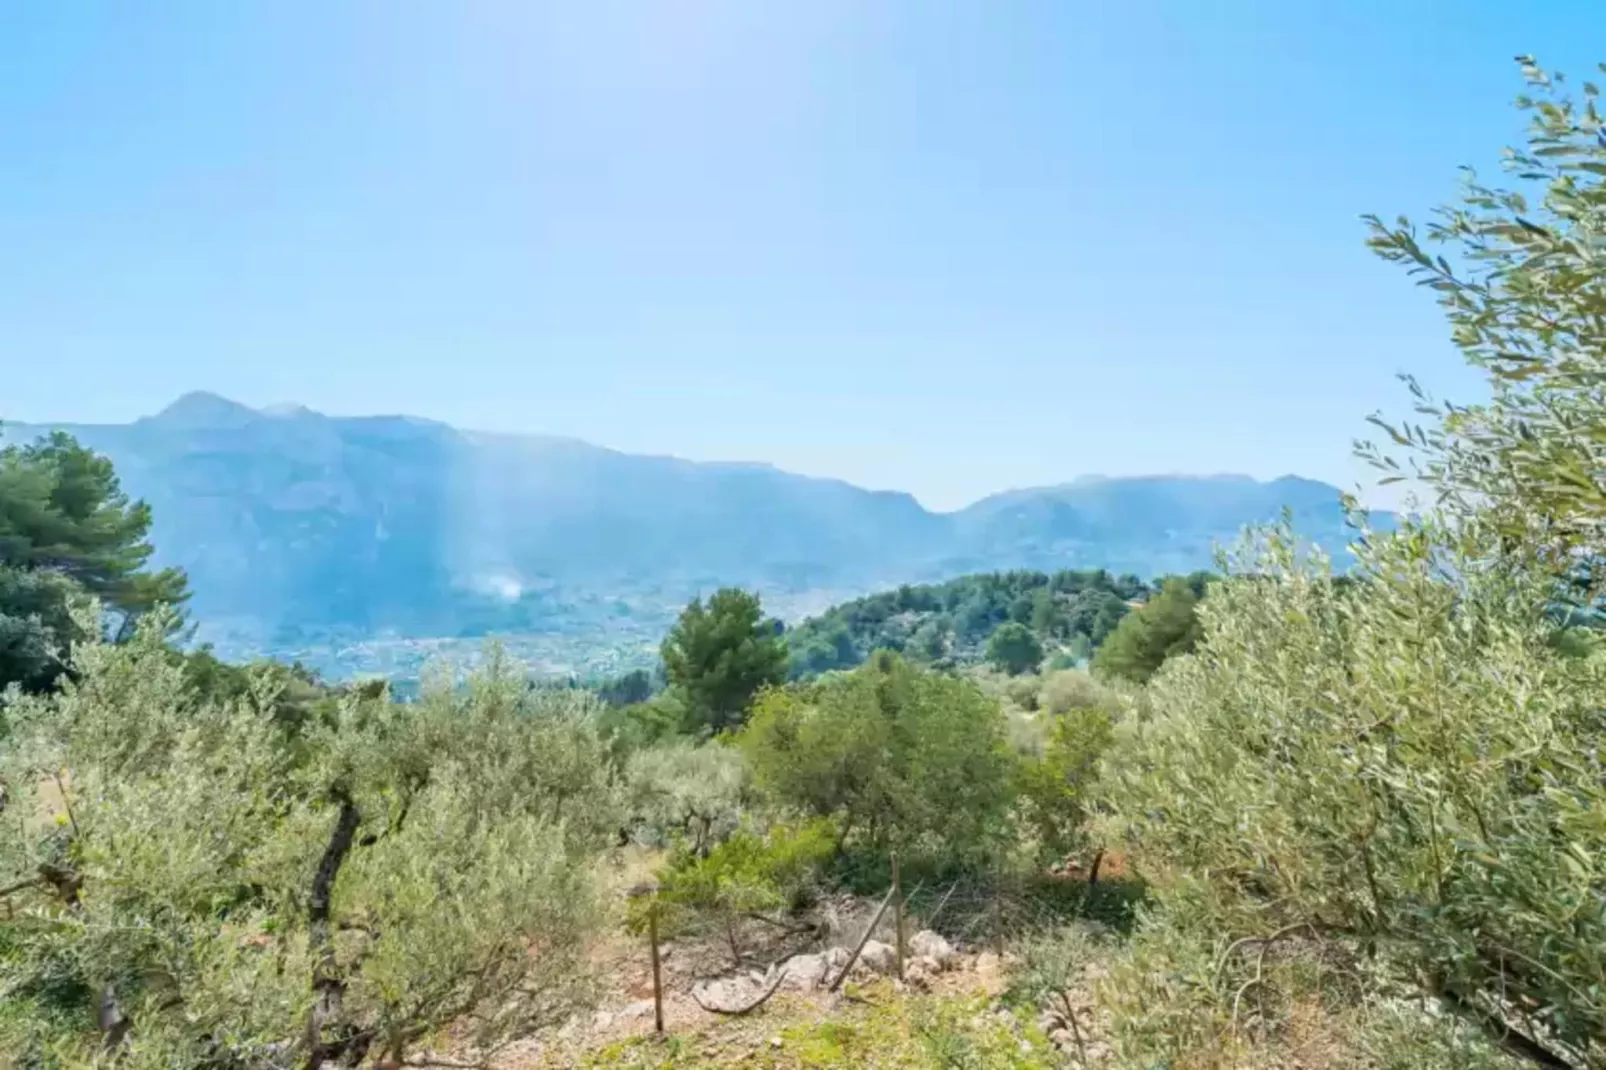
[[805, 973], [926, 944], [881, 958]]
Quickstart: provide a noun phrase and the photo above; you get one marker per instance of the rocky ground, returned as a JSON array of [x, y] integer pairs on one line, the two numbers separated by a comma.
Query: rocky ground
[[622, 1031], [800, 1019], [789, 976]]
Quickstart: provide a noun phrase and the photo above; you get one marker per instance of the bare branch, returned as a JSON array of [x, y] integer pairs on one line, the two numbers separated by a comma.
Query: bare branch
[[66, 801], [759, 1001]]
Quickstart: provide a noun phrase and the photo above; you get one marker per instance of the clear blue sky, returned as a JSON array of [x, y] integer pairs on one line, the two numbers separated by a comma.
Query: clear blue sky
[[938, 246]]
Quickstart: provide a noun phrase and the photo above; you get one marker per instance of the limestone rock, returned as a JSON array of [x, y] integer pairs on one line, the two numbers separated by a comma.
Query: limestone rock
[[926, 944], [805, 973], [919, 975], [722, 993], [881, 958]]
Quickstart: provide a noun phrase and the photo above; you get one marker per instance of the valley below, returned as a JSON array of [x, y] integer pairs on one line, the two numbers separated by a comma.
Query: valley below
[[373, 545]]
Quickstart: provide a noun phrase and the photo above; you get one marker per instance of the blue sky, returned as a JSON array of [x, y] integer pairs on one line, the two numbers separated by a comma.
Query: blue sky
[[936, 246]]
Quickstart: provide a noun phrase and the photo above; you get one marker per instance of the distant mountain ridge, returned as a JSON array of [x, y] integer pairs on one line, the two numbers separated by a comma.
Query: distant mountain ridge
[[293, 523]]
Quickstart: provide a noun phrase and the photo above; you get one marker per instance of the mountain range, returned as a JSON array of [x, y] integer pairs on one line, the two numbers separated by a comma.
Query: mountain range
[[296, 527]]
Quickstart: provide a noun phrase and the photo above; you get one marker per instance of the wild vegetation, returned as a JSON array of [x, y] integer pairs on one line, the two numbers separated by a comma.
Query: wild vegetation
[[953, 622], [1289, 818]]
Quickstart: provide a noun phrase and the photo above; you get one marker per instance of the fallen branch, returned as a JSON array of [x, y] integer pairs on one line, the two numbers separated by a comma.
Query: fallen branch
[[787, 928], [1259, 979], [735, 1012], [1511, 1040]]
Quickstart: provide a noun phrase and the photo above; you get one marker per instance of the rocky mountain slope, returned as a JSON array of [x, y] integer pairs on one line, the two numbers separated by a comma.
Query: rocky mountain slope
[[295, 524]]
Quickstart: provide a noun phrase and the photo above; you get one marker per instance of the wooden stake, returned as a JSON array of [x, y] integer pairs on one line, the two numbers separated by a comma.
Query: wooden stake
[[998, 908], [657, 979], [897, 911], [865, 939]]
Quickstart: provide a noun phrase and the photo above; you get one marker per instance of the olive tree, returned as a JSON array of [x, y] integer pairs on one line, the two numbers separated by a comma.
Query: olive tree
[[1388, 794], [1402, 776], [687, 791], [1524, 290], [185, 889], [900, 756]]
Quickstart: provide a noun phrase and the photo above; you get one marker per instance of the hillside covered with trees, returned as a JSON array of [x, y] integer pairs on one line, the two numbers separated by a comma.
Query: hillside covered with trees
[[1293, 815], [953, 621], [1062, 616]]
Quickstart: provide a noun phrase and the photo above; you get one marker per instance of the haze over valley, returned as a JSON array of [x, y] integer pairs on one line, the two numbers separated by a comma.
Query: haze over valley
[[370, 544]]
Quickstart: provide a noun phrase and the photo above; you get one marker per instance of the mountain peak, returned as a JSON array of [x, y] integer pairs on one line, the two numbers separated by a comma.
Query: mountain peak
[[201, 409]]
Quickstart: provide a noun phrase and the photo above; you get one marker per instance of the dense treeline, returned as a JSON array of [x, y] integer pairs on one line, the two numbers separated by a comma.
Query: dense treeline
[[952, 622]]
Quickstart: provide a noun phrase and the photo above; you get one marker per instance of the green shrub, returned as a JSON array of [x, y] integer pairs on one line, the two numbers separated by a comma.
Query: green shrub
[[1072, 689], [1013, 648], [1386, 796], [1055, 787], [1022, 691], [901, 757], [1170, 1001], [644, 724], [750, 873], [1163, 628], [1049, 967]]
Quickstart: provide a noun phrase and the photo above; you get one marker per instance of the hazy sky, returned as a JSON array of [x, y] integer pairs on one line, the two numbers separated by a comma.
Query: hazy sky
[[938, 246]]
